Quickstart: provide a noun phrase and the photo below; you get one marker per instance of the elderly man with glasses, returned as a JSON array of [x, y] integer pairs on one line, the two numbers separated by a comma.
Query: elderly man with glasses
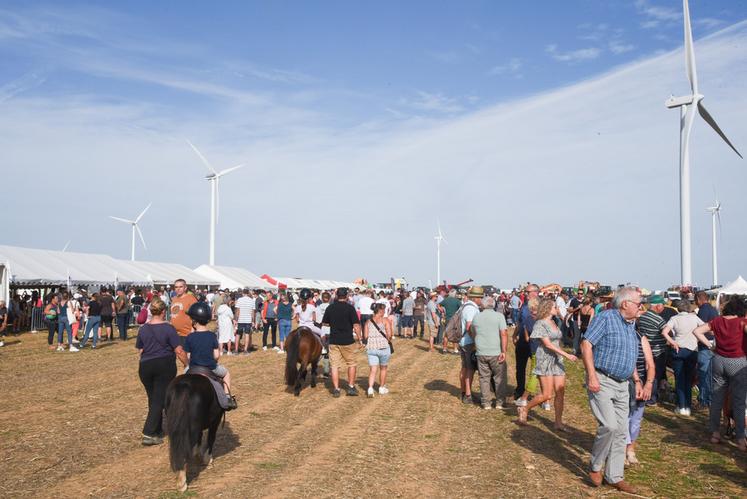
[[609, 350]]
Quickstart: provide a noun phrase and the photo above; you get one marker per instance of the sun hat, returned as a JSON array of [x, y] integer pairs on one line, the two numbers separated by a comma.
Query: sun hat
[[656, 300], [476, 292]]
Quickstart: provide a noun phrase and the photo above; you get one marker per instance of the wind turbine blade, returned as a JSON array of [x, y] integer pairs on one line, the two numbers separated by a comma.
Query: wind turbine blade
[[229, 170], [142, 213], [142, 239], [692, 74], [709, 119], [122, 220], [204, 160], [66, 246]]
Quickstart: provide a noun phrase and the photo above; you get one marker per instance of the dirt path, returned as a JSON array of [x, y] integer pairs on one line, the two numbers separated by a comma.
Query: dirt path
[[71, 427]]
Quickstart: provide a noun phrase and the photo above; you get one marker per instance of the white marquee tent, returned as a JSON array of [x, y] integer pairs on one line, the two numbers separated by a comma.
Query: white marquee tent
[[161, 274], [736, 287], [233, 277]]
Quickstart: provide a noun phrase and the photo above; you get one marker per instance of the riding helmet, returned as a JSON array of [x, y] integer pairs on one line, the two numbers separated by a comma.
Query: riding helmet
[[200, 312], [305, 294]]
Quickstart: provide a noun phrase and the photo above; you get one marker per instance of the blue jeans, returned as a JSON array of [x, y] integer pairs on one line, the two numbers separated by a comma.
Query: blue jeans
[[379, 357], [515, 315], [122, 321], [284, 327], [92, 325], [704, 377], [684, 364], [63, 325]]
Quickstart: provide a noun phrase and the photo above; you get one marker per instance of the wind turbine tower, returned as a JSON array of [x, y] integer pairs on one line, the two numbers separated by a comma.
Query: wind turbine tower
[[213, 177], [439, 238], [715, 211], [687, 105]]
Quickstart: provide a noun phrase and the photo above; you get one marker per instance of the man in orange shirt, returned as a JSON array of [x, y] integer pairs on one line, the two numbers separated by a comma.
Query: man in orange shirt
[[179, 306]]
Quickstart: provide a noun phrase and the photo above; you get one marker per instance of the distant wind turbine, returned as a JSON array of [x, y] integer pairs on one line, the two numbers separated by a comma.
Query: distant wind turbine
[[440, 237], [687, 105], [715, 211], [213, 177], [67, 244], [135, 227]]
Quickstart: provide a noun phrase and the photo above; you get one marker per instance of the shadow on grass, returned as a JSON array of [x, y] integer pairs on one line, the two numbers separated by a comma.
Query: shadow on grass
[[545, 443], [737, 477], [225, 441], [440, 385], [579, 439]]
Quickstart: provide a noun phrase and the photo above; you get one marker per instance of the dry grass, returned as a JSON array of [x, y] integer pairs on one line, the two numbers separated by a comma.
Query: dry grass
[[71, 428]]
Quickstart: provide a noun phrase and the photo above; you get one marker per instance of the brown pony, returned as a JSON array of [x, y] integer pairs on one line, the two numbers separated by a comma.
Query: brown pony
[[302, 347]]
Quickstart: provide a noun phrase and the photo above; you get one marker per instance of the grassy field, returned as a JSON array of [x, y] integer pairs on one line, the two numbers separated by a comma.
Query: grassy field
[[71, 428]]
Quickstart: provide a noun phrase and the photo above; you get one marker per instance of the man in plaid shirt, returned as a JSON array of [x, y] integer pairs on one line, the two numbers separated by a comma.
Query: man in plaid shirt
[[609, 350]]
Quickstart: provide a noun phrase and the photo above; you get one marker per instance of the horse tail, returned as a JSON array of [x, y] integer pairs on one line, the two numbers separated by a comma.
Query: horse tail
[[178, 421], [291, 360]]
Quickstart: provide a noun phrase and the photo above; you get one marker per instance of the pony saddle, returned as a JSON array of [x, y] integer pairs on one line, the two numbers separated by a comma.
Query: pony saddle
[[217, 382]]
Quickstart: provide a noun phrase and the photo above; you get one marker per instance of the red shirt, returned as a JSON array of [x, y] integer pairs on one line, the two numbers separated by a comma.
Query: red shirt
[[730, 338]]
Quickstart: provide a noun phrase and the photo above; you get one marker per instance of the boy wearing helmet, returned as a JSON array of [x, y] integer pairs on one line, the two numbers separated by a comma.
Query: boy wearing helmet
[[202, 347]]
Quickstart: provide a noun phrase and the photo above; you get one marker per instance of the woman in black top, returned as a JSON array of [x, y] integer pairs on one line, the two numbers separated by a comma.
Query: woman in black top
[[159, 345], [93, 311]]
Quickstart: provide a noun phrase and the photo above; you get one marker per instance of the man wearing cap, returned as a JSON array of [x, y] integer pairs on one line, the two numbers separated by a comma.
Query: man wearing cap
[[344, 331], [650, 325], [470, 309]]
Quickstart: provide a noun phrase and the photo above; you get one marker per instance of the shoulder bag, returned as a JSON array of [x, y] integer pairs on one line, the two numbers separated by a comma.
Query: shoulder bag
[[391, 347]]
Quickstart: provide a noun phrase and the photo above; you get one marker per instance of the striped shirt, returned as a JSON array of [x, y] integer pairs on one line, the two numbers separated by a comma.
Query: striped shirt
[[246, 306], [650, 325], [615, 344]]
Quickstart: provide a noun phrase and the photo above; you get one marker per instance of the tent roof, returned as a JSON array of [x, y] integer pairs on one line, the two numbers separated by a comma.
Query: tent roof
[[736, 287], [233, 277], [49, 268], [166, 273]]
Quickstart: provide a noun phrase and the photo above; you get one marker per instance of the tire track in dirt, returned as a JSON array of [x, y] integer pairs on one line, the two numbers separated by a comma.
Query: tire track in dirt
[[356, 440], [250, 424]]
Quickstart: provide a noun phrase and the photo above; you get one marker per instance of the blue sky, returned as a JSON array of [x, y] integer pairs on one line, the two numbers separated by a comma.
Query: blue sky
[[318, 98]]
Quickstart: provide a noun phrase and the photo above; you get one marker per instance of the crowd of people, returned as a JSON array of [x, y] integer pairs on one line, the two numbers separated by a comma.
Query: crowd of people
[[625, 344]]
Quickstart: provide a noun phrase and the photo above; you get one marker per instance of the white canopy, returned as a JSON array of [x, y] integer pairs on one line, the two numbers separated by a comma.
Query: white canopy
[[27, 266], [736, 287], [166, 273], [233, 277]]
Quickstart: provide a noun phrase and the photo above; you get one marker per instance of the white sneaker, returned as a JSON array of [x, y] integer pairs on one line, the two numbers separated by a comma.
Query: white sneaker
[[73, 349], [264, 349], [631, 458], [276, 348], [546, 406], [370, 392], [383, 390], [2, 343], [281, 351], [686, 411], [520, 402], [60, 348]]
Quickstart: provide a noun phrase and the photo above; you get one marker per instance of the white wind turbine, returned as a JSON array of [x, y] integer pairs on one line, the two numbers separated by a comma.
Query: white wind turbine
[[715, 214], [687, 105], [135, 227], [440, 237], [213, 177]]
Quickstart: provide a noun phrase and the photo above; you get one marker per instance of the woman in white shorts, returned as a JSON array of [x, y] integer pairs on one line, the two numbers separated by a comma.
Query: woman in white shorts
[[378, 333]]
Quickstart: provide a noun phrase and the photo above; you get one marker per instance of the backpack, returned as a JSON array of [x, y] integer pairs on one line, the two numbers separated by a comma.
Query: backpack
[[453, 329]]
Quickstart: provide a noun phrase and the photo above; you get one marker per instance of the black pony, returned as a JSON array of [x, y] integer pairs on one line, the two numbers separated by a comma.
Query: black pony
[[302, 347], [191, 407]]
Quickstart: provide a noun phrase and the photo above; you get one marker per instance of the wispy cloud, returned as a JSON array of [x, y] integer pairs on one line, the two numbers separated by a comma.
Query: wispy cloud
[[617, 47], [433, 102], [656, 13], [584, 54], [512, 67], [20, 85]]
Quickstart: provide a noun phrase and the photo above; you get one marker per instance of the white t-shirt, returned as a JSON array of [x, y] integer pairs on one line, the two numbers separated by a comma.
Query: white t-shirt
[[320, 314], [364, 305], [305, 317], [387, 306], [246, 306], [562, 309]]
